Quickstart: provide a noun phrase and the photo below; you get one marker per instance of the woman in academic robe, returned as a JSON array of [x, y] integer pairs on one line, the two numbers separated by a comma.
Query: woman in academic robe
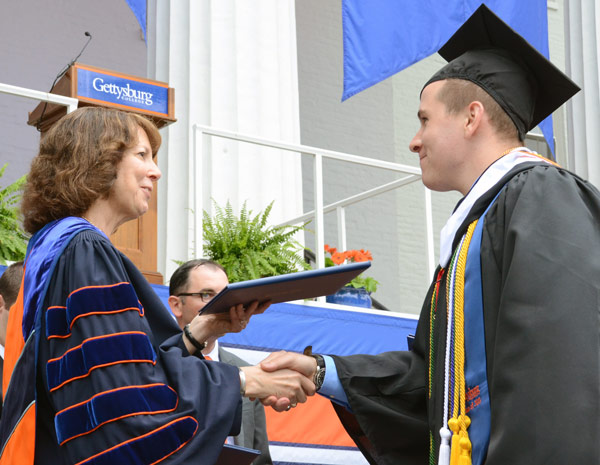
[[97, 370]]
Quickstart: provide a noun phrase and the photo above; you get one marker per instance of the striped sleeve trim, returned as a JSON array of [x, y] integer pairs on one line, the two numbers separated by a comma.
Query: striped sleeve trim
[[91, 300], [151, 448], [101, 351], [108, 406]]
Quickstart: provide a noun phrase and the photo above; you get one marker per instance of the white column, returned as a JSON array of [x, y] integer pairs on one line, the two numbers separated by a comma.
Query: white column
[[255, 91], [582, 27], [233, 66]]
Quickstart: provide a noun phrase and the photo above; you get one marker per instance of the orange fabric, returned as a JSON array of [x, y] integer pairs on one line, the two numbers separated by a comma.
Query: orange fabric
[[314, 422], [14, 340], [21, 445]]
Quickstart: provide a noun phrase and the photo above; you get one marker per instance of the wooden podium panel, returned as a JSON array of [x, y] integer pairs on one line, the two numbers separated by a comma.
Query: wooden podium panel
[[93, 86]]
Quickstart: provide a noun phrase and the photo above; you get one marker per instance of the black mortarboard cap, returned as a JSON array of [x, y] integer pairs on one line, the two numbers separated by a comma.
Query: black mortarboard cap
[[487, 52]]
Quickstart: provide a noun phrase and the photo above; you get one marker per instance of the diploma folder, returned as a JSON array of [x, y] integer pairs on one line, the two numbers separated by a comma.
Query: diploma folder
[[236, 455], [286, 287]]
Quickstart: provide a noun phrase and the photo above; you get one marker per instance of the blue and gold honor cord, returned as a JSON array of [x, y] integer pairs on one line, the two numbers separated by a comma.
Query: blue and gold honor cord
[[455, 445]]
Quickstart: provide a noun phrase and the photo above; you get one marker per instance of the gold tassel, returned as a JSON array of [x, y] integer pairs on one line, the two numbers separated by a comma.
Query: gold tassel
[[465, 442], [465, 451], [454, 447]]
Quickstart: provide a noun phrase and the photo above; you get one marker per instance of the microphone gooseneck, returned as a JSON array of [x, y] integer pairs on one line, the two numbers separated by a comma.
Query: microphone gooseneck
[[60, 74]]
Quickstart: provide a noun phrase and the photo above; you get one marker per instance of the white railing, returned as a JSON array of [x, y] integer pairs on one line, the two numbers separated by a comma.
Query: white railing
[[200, 136], [69, 102]]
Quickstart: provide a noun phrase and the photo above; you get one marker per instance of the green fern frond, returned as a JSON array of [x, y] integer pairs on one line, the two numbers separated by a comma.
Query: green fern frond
[[13, 239], [247, 248]]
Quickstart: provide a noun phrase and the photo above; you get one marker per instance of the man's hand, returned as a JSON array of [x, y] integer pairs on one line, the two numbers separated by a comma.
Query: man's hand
[[283, 360]]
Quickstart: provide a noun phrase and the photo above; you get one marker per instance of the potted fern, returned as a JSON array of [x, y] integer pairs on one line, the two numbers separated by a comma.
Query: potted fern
[[13, 239], [247, 247]]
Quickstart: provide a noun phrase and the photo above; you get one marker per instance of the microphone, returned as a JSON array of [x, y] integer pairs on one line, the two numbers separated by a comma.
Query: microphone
[[59, 75], [72, 62]]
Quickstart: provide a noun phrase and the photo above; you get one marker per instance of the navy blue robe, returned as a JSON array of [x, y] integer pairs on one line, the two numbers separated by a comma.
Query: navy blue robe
[[115, 384]]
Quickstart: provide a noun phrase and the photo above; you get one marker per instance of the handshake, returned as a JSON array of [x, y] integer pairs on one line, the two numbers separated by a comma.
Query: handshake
[[281, 380]]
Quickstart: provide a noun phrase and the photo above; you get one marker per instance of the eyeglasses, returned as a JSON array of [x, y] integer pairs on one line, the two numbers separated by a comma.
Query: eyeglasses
[[205, 296]]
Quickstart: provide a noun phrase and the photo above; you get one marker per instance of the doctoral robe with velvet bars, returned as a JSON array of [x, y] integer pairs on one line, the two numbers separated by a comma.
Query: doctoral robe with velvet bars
[[540, 269], [115, 384]]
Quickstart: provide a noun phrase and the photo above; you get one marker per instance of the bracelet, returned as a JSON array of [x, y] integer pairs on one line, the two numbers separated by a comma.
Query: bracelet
[[190, 337], [242, 382]]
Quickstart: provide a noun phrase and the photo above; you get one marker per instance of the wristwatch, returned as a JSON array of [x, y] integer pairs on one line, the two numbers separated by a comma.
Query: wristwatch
[[319, 375]]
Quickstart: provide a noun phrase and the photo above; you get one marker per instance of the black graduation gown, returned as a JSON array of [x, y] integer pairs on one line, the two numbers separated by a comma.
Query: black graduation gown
[[195, 404], [540, 264]]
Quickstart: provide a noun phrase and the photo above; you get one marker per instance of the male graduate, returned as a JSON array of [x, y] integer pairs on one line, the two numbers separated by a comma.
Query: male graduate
[[505, 367]]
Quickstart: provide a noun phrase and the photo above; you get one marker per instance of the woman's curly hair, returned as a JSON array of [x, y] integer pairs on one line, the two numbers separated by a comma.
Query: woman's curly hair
[[77, 162]]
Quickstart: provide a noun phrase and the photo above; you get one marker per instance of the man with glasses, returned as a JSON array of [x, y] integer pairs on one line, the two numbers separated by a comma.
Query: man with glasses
[[191, 287]]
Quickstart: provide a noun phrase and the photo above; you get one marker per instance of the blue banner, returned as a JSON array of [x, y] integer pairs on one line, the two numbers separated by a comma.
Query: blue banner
[[131, 93], [382, 37], [139, 10]]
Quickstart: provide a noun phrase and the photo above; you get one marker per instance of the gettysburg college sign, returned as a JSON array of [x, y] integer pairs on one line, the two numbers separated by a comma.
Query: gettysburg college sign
[[110, 88], [93, 86]]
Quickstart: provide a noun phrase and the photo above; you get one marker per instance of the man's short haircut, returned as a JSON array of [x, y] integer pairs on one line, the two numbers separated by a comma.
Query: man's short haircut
[[180, 278], [456, 94], [10, 282]]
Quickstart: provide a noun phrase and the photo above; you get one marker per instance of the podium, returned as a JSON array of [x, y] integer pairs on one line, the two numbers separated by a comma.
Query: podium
[[93, 86]]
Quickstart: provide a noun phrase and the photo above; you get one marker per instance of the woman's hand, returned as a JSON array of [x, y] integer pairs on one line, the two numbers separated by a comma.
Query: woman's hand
[[289, 386], [239, 316], [300, 363], [215, 325]]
